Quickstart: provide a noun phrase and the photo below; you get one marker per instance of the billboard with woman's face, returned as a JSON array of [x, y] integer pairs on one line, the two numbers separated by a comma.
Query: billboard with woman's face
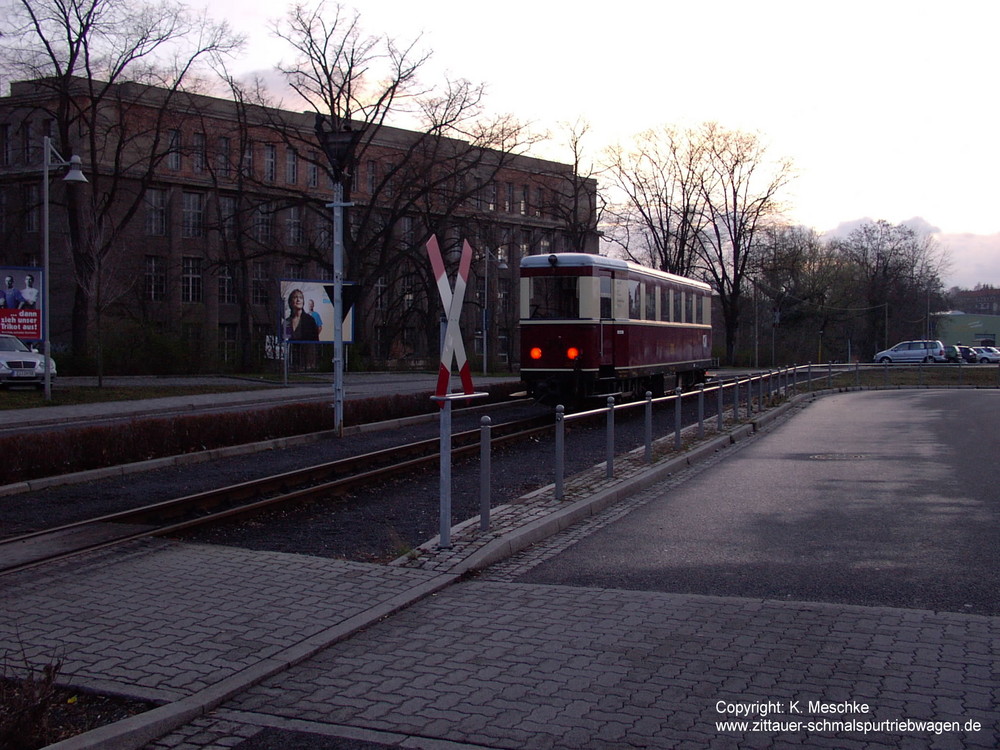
[[21, 302], [307, 312]]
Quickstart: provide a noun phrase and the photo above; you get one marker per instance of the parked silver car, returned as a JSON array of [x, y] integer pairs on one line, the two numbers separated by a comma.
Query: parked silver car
[[913, 351], [987, 353], [20, 364]]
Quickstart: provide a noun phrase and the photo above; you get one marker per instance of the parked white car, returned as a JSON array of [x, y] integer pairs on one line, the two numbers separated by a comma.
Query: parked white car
[[987, 353], [20, 364]]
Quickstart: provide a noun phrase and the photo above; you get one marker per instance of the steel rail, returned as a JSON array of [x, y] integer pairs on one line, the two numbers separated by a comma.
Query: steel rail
[[171, 516]]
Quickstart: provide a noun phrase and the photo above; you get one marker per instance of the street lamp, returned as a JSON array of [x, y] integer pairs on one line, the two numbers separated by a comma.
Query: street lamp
[[51, 158], [338, 145], [501, 266]]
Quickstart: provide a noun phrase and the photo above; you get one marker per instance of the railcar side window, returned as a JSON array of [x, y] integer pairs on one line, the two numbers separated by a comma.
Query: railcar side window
[[606, 310], [664, 304], [554, 297], [634, 300], [676, 318], [650, 301]]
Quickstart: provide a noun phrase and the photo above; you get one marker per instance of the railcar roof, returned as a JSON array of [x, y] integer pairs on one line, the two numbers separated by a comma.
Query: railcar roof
[[602, 261]]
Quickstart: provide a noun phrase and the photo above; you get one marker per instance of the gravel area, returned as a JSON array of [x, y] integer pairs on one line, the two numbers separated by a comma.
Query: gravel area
[[376, 524]]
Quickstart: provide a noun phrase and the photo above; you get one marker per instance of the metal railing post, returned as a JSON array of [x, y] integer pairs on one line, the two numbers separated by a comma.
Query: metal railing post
[[701, 410], [857, 374], [560, 450], [649, 427], [736, 399], [610, 452], [809, 376], [677, 419], [444, 529], [750, 398], [720, 418], [829, 375], [485, 473]]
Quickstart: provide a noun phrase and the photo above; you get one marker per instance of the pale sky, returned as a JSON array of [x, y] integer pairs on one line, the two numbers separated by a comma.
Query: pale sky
[[888, 108]]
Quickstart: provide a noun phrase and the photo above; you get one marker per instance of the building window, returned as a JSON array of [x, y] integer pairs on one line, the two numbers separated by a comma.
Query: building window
[[270, 162], [263, 223], [539, 201], [508, 203], [380, 293], [155, 286], [522, 207], [227, 286], [191, 281], [32, 208], [294, 271], [259, 283], [6, 149], [294, 225], [313, 169], [228, 342], [291, 167], [193, 218], [372, 176], [198, 152], [227, 216], [156, 212], [225, 156], [26, 142], [246, 161], [174, 150]]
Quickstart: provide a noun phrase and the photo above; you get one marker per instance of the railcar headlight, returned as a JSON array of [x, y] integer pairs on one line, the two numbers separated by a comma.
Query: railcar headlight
[[573, 353], [535, 352]]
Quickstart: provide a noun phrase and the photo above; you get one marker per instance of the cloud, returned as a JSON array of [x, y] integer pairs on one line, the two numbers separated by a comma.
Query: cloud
[[971, 258]]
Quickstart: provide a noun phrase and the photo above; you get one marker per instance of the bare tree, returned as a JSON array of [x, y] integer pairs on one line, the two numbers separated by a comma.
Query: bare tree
[[740, 190], [661, 209], [427, 180], [575, 201], [94, 64], [897, 275]]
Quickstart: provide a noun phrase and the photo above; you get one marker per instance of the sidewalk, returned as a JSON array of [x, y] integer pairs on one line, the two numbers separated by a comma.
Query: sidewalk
[[198, 627]]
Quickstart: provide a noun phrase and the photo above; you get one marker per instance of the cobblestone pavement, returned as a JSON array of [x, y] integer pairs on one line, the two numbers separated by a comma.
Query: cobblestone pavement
[[260, 642], [495, 664], [164, 620]]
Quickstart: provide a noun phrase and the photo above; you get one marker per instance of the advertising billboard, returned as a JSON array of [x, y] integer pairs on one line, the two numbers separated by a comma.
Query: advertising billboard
[[21, 302], [307, 312]]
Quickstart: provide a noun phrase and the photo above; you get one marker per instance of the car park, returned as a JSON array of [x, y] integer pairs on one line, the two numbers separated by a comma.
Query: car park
[[22, 365], [987, 353], [913, 351]]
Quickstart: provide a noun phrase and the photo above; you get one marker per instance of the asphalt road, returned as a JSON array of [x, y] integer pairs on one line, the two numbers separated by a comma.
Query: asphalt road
[[874, 498]]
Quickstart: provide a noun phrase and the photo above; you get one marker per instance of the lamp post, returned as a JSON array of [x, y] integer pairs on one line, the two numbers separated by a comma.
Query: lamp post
[[51, 158], [339, 148], [501, 266]]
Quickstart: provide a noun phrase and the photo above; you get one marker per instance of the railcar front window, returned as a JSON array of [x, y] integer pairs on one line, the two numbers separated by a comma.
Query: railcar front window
[[555, 297]]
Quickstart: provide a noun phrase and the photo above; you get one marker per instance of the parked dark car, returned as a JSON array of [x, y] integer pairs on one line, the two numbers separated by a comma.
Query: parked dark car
[[968, 354], [951, 354]]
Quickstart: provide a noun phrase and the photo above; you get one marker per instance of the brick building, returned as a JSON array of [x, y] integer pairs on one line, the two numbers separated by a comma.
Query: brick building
[[197, 207]]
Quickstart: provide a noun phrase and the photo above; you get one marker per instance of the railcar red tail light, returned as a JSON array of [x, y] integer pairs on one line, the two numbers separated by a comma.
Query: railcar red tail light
[[536, 352], [573, 353]]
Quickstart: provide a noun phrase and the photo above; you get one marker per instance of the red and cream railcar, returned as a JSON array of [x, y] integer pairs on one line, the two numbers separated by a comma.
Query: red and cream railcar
[[592, 325]]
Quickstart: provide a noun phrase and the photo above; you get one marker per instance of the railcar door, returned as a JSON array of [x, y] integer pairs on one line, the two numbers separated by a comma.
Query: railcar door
[[607, 325]]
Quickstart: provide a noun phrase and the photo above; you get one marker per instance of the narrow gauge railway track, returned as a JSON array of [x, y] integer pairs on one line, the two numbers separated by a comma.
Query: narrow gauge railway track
[[211, 506]]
